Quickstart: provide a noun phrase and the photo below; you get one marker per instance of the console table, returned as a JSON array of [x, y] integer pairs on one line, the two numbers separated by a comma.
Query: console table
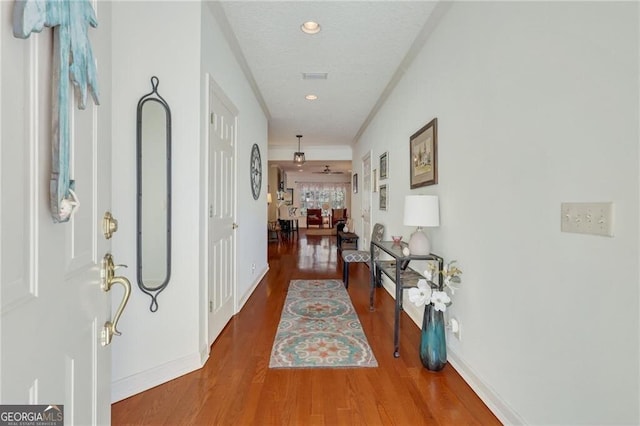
[[290, 224], [397, 270]]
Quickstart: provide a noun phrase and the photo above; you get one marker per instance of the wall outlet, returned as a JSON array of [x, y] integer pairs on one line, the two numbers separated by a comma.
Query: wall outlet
[[587, 218], [253, 268], [454, 326]]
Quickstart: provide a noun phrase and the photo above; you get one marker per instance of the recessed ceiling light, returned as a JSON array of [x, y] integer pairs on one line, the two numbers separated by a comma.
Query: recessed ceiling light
[[310, 27], [311, 97]]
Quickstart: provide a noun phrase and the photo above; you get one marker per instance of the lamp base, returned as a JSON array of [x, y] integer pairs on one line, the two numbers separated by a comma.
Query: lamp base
[[419, 243]]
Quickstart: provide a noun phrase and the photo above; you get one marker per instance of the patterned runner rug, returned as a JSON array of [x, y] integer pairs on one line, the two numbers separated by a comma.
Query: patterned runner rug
[[319, 328]]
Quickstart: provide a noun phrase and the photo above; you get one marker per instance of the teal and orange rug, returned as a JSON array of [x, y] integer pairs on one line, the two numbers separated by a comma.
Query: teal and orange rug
[[319, 328]]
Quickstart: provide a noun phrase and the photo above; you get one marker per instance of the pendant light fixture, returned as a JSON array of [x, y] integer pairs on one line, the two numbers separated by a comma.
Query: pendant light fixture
[[298, 157]]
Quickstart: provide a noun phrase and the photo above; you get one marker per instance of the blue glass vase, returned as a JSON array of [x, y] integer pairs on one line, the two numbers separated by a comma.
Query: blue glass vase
[[433, 346]]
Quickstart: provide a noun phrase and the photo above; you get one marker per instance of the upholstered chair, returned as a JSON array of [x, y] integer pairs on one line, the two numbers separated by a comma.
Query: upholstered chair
[[314, 217], [338, 215], [361, 256], [287, 218]]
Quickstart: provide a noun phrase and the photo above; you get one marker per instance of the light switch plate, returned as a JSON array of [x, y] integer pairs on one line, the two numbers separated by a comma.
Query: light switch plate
[[587, 218]]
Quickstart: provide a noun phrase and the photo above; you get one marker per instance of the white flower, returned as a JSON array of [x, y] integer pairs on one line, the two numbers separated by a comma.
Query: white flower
[[440, 299], [428, 274], [431, 269], [451, 274], [420, 295]]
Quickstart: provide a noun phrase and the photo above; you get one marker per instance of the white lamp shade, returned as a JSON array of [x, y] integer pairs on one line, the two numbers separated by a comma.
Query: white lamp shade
[[421, 210]]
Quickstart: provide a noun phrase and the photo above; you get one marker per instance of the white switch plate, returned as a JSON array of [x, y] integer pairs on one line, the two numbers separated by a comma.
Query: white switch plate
[[587, 218]]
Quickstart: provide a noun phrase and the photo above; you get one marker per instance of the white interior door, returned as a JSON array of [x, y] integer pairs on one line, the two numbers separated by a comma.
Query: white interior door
[[52, 306], [366, 201], [222, 202]]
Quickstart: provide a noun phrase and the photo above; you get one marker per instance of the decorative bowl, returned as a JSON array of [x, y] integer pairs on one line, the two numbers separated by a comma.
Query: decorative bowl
[[396, 239]]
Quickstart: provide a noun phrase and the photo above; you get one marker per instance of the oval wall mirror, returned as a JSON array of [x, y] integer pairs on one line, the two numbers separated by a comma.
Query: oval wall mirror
[[154, 193]]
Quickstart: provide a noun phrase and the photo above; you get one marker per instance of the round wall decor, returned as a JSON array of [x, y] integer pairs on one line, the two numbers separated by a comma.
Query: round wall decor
[[256, 171]]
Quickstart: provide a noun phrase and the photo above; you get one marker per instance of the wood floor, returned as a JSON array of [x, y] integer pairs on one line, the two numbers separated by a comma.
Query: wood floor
[[236, 387]]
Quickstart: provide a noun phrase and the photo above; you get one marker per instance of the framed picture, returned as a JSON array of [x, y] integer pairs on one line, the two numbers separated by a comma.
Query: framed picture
[[384, 197], [288, 197], [423, 149], [355, 183], [374, 180], [384, 165]]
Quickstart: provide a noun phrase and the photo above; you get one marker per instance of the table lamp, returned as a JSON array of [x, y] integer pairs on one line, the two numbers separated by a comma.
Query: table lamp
[[421, 210]]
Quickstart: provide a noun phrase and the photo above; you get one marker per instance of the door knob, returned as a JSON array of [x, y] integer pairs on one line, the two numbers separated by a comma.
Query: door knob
[[108, 278]]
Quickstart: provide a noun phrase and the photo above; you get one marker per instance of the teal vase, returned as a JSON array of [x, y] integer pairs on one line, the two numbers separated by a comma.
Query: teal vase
[[433, 346]]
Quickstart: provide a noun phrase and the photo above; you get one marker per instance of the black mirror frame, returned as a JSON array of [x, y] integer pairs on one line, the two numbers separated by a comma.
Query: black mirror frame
[[155, 97]]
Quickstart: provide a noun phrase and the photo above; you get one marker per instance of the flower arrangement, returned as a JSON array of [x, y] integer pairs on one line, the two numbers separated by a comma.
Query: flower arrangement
[[430, 292]]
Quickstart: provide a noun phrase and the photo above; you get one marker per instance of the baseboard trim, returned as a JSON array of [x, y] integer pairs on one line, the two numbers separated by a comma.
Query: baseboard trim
[[248, 294], [496, 404], [145, 380]]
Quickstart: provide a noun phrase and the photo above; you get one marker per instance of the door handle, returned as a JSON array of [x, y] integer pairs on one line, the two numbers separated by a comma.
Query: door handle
[[234, 226], [108, 278]]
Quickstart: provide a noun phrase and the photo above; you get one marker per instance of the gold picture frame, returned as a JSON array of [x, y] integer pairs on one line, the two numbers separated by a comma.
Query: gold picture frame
[[423, 153]]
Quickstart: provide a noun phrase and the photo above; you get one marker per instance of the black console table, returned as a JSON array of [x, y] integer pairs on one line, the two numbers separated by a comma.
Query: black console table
[[397, 270]]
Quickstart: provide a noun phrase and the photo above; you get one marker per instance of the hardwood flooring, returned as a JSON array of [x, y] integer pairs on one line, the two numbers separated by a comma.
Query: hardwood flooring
[[236, 387]]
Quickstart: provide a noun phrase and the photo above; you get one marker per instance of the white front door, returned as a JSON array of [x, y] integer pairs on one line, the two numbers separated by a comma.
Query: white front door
[[222, 202], [52, 306], [366, 202]]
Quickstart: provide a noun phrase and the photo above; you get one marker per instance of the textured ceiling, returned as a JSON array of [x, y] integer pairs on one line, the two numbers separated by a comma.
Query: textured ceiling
[[361, 46]]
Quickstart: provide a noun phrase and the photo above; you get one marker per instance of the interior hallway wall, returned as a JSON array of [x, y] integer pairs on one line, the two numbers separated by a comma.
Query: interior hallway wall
[[537, 104], [171, 44], [219, 61]]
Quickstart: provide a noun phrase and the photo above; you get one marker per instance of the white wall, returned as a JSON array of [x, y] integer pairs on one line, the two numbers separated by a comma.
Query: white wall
[[155, 347], [179, 42], [537, 104], [251, 237]]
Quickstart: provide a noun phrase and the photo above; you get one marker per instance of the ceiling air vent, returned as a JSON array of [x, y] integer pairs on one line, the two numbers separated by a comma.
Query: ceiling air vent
[[315, 75]]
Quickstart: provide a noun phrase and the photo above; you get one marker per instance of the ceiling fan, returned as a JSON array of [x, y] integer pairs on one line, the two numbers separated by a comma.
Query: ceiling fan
[[327, 171]]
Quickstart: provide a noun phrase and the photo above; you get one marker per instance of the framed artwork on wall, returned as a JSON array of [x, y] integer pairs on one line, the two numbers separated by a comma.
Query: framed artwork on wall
[[355, 183], [423, 151], [384, 166], [288, 197], [384, 197]]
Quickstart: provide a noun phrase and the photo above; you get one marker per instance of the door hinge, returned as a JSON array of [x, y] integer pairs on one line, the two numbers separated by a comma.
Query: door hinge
[[210, 210], [211, 117], [210, 306]]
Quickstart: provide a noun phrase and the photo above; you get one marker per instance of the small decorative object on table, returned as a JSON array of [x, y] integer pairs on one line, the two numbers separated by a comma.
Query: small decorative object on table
[[433, 347], [396, 239]]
